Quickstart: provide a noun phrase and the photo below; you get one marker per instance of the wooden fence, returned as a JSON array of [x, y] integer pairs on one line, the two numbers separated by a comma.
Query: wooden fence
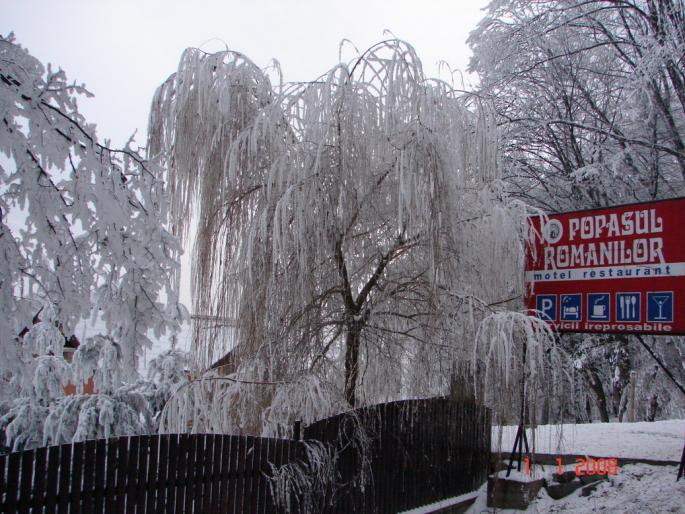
[[145, 474], [417, 452], [420, 451]]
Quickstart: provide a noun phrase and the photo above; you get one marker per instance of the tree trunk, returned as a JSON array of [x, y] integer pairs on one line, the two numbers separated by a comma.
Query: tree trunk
[[462, 385], [352, 342], [600, 397], [652, 407], [621, 372]]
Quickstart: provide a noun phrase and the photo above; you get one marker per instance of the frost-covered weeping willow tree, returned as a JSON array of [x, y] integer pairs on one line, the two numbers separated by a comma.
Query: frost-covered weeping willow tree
[[353, 226]]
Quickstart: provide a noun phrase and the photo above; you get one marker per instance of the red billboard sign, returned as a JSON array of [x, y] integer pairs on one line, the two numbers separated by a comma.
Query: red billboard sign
[[620, 269]]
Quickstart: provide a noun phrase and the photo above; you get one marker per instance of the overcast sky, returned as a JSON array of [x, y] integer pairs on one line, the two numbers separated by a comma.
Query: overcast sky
[[122, 50]]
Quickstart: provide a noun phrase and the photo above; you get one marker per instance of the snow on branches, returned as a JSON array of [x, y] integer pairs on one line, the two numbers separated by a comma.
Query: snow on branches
[[522, 365], [590, 98], [345, 226], [81, 236]]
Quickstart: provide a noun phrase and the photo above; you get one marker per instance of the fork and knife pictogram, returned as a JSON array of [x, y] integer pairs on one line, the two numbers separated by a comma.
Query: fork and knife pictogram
[[627, 306]]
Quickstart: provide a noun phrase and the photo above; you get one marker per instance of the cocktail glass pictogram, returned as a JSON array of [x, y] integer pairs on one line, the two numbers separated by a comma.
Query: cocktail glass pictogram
[[660, 300]]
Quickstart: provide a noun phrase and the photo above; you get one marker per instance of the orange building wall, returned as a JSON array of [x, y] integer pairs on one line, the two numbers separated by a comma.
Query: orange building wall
[[88, 388]]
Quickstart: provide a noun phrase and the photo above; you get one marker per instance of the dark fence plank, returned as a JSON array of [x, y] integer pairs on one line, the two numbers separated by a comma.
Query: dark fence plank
[[172, 465], [3, 466], [12, 488], [207, 475], [272, 458], [228, 449], [199, 473], [64, 478], [39, 476], [204, 476], [111, 477], [287, 456], [191, 471], [181, 470], [75, 498], [131, 474], [254, 477], [100, 481], [224, 466], [264, 473], [26, 485], [238, 487], [217, 482], [149, 492], [247, 475], [88, 477], [143, 461], [122, 462], [434, 448], [261, 448], [387, 431], [163, 492], [52, 477]]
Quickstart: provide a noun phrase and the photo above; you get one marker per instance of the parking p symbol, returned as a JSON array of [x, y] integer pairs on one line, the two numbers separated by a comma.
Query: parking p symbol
[[546, 305]]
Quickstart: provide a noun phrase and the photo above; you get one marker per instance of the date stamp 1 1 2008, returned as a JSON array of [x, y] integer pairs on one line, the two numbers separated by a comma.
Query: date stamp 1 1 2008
[[585, 466]]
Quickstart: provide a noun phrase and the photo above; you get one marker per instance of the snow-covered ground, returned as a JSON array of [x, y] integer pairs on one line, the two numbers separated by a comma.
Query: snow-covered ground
[[658, 440], [637, 488]]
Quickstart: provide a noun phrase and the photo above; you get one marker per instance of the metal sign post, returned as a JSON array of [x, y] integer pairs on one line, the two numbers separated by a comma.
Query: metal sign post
[[520, 440]]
